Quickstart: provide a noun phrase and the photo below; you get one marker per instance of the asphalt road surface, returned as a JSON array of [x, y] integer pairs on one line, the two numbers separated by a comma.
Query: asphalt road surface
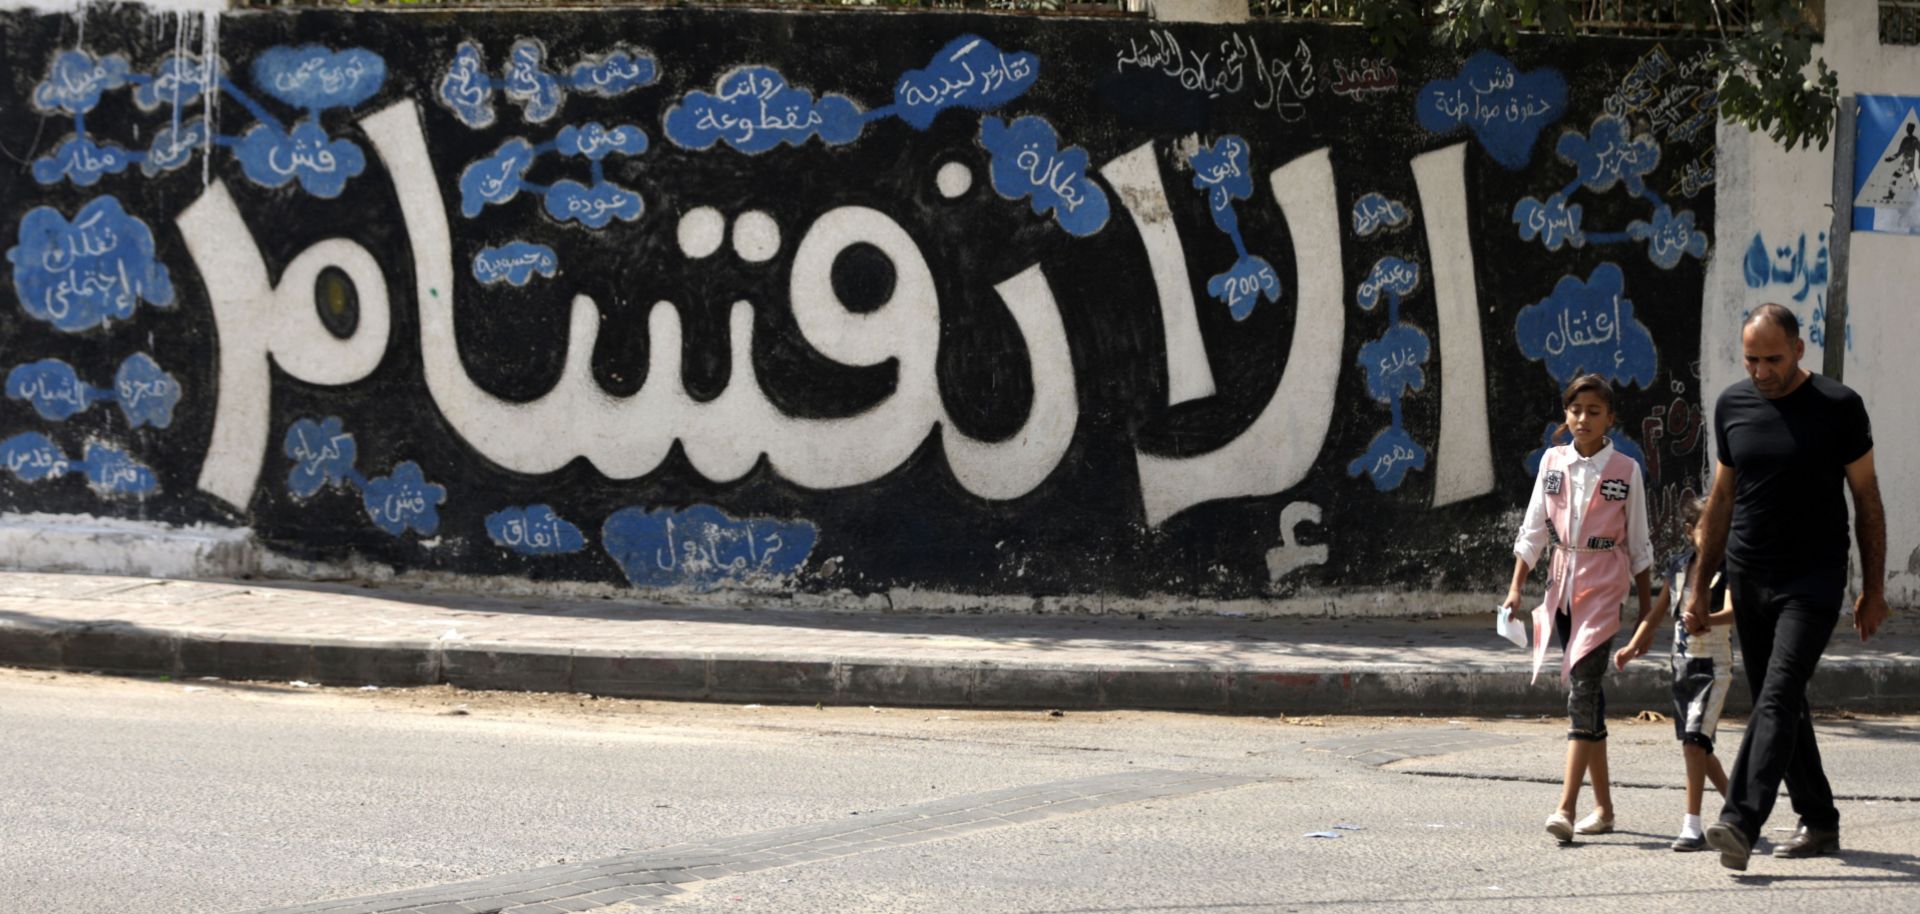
[[142, 797]]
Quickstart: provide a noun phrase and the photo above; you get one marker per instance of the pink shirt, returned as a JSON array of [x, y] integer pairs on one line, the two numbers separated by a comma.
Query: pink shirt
[[1596, 550]]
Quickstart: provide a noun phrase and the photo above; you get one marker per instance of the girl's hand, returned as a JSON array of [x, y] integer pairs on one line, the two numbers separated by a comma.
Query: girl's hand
[[1634, 650], [1512, 601]]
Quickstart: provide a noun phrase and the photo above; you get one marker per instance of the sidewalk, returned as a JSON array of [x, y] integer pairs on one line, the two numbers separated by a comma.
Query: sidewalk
[[344, 634]]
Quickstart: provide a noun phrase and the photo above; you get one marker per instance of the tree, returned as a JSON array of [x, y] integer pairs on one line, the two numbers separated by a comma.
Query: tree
[[1769, 80]]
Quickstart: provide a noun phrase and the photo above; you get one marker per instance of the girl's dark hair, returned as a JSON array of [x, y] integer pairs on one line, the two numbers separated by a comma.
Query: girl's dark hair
[[1690, 511], [1586, 383]]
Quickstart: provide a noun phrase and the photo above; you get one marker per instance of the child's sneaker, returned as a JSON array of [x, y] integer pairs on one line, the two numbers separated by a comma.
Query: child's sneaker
[[1559, 826], [1691, 838]]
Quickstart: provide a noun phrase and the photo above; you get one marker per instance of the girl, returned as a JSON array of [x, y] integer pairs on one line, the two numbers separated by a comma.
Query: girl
[[1702, 668], [1589, 508]]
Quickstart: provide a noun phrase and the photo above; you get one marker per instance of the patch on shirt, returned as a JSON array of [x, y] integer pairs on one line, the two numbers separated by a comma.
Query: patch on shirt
[[1553, 482], [1613, 489], [1599, 542]]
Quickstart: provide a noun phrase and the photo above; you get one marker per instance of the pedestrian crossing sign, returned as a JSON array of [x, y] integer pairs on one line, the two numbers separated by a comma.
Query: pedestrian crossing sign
[[1886, 171]]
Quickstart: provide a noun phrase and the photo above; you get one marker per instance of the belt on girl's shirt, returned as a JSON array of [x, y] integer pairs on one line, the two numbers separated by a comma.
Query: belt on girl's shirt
[[1609, 547]]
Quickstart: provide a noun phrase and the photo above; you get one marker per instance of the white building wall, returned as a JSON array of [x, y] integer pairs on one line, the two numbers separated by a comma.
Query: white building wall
[[1784, 196]]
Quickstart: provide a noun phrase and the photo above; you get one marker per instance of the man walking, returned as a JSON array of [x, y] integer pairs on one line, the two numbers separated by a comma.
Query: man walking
[[1786, 437]]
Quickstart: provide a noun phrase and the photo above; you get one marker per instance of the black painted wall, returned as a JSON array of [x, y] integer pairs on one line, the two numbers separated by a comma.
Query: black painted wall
[[1106, 87]]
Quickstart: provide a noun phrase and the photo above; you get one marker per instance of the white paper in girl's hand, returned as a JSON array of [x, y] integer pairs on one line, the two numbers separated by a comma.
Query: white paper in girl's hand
[[1509, 627]]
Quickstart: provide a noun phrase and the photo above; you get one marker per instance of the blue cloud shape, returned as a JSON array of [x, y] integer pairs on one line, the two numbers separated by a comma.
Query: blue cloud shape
[[1242, 285], [1373, 213], [1669, 237], [1226, 167], [1505, 108], [701, 547], [1393, 362], [593, 205], [496, 178], [321, 164], [528, 84], [112, 471], [1027, 162], [970, 72], [1554, 222], [53, 387], [81, 160], [1608, 155], [178, 81], [89, 272], [147, 395], [616, 72], [172, 148], [1554, 436], [1389, 276], [1389, 457], [76, 80], [33, 457], [404, 499], [1588, 327], [1758, 264], [465, 89], [597, 141], [534, 530], [753, 109], [322, 455], [515, 263], [314, 77]]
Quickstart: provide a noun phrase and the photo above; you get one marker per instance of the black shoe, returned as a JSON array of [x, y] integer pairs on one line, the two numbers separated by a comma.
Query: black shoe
[[1689, 843], [1733, 846], [1809, 842]]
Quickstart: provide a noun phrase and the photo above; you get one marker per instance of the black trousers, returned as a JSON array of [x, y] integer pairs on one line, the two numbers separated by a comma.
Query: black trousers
[[1783, 629]]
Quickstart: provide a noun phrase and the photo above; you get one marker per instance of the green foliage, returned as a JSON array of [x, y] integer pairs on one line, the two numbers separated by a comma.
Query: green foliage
[[1769, 80]]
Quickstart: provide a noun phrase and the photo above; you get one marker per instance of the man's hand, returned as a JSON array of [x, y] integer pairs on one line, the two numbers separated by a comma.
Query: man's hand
[[1697, 609], [1868, 612]]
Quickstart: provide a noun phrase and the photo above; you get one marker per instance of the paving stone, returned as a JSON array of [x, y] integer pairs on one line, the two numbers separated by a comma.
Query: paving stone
[[273, 661], [375, 663], [29, 645], [1169, 690], [520, 669], [119, 649], [1024, 687], [903, 684], [640, 677], [773, 680]]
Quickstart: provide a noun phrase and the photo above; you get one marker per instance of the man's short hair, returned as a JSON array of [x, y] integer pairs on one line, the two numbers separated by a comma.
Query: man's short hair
[[1778, 315]]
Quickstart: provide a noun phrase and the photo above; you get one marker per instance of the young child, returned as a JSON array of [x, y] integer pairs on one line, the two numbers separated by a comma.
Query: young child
[[1589, 509], [1702, 667]]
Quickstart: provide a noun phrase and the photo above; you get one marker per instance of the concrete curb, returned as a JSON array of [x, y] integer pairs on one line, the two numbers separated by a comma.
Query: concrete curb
[[123, 649]]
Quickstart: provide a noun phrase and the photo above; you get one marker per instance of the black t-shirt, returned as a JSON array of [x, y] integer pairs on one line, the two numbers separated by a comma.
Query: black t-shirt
[[1789, 458]]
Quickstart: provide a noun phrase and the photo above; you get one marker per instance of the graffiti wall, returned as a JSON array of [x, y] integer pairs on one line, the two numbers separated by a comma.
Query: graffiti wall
[[823, 303]]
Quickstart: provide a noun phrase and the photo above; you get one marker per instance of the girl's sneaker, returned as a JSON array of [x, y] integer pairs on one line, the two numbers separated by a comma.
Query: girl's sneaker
[[1688, 842], [1593, 824], [1559, 826]]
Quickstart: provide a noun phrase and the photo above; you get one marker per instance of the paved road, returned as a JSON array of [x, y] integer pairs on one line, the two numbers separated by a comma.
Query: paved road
[[136, 796]]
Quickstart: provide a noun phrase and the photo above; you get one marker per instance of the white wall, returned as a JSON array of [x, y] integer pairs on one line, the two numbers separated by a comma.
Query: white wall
[[1783, 195]]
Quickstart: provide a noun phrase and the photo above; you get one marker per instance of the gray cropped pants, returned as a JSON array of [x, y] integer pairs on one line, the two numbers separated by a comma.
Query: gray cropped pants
[[1586, 699]]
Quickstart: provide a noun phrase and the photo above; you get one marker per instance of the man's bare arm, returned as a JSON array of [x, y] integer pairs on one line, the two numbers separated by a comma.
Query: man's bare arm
[[1870, 529]]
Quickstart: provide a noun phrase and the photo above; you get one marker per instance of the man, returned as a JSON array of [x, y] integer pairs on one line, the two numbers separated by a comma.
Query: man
[[1786, 437]]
